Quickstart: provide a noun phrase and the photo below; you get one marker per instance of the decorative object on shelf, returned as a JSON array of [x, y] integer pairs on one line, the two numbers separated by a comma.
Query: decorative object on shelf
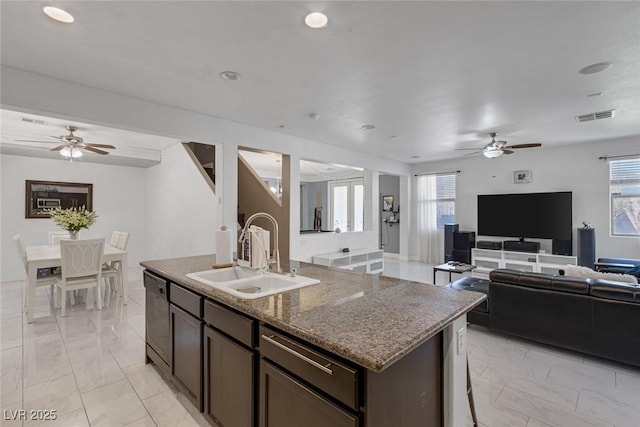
[[387, 203], [586, 224], [522, 177], [72, 219]]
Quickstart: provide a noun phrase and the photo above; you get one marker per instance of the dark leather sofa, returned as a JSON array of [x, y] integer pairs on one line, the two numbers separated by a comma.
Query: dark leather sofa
[[598, 317]]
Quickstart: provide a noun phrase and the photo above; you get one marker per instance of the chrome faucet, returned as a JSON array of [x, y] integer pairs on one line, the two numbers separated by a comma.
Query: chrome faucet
[[276, 251]]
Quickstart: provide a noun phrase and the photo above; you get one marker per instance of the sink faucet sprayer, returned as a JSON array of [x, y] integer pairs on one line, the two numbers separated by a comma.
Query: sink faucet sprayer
[[244, 237]]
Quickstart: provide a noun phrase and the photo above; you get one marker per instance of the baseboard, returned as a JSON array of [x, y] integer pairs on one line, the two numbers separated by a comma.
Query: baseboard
[[391, 255]]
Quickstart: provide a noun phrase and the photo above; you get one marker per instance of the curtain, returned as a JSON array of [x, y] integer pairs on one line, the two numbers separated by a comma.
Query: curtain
[[428, 240]]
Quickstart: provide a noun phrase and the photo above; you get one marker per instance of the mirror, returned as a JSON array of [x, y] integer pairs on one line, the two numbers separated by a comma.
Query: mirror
[[331, 197], [42, 195]]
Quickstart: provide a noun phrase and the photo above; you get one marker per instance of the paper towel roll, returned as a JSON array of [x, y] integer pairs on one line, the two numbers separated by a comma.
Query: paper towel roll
[[224, 246]]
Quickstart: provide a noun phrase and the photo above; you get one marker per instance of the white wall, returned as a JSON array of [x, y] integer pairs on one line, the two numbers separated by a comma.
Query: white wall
[[182, 211], [118, 198], [38, 94], [573, 168]]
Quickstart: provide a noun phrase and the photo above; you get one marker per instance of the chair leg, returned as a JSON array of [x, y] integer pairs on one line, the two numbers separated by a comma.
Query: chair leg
[[98, 296], [63, 302]]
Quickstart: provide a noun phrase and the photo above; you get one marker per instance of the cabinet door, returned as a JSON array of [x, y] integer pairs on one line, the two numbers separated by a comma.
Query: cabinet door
[[186, 354], [286, 402], [228, 381]]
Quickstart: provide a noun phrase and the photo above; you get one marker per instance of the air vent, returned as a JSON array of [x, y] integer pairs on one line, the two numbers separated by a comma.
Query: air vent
[[608, 114], [34, 121]]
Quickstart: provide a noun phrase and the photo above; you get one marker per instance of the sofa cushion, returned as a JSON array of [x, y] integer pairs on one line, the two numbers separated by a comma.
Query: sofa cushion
[[535, 280], [504, 275], [609, 289], [575, 285], [579, 271]]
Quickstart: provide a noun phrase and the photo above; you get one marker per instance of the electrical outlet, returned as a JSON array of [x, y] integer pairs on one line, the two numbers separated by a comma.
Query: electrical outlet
[[460, 340]]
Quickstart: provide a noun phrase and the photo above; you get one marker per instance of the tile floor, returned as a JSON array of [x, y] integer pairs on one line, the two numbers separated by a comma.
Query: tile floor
[[90, 368]]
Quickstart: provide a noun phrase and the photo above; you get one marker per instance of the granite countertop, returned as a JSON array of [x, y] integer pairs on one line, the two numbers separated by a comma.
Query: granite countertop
[[370, 320]]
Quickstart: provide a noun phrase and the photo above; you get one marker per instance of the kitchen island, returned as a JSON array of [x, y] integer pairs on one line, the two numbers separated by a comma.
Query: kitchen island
[[353, 350]]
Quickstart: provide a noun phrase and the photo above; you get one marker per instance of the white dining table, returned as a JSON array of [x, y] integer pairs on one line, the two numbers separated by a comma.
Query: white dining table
[[46, 256]]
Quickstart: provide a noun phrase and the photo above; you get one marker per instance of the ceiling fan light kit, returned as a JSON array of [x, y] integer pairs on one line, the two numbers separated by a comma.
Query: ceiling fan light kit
[[70, 153], [492, 153]]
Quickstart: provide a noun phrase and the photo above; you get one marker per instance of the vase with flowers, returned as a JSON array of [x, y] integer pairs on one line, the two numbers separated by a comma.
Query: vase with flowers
[[72, 219]]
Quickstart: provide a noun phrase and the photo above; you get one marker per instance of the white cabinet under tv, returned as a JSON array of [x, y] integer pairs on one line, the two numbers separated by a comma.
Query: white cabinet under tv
[[487, 260], [363, 260]]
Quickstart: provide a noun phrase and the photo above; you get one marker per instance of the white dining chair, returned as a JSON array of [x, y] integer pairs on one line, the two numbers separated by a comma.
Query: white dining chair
[[56, 236], [111, 271], [81, 268], [41, 282]]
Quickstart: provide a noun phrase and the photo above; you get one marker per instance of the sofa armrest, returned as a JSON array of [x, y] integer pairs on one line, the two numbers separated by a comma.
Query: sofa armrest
[[610, 267]]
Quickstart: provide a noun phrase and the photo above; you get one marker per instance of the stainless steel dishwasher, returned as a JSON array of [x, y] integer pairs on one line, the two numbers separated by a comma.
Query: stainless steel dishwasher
[[157, 321]]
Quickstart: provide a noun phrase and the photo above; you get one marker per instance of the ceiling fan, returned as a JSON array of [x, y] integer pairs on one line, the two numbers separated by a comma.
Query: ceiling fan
[[497, 148], [71, 146]]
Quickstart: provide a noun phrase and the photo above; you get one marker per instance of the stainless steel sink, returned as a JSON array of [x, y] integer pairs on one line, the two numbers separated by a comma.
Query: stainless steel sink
[[250, 284]]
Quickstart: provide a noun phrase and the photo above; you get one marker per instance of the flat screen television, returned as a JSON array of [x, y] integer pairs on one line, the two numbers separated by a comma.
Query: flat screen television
[[532, 215]]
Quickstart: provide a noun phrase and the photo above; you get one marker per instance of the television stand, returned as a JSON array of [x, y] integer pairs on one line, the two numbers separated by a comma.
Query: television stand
[[521, 246], [487, 260]]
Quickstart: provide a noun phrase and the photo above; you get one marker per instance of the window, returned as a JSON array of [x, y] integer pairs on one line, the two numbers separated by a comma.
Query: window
[[436, 197], [445, 199], [625, 197], [347, 205]]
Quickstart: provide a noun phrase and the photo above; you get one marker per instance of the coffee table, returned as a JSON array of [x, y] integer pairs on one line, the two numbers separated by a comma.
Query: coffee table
[[452, 268]]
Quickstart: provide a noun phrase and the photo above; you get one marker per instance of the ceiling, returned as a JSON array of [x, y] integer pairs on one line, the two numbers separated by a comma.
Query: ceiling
[[430, 76], [132, 148]]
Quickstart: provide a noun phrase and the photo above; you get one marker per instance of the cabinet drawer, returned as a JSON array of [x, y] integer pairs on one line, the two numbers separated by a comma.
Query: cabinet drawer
[[228, 321], [186, 300], [287, 402], [333, 377]]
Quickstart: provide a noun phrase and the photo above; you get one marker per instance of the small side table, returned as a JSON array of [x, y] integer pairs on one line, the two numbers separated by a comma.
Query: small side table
[[452, 268]]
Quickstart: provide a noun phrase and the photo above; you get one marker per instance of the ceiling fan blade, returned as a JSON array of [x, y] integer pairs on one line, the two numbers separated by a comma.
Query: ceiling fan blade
[[95, 150], [476, 149], [472, 154], [58, 148], [100, 145], [534, 145], [507, 151], [31, 140]]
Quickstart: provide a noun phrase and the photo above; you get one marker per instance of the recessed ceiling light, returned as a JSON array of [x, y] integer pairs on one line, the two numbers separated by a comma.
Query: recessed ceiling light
[[58, 14], [314, 116], [595, 94], [316, 20], [367, 127], [596, 68], [229, 75], [415, 157]]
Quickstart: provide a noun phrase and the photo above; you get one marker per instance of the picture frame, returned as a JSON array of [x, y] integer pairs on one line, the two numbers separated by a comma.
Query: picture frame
[[41, 195], [522, 177], [387, 203]]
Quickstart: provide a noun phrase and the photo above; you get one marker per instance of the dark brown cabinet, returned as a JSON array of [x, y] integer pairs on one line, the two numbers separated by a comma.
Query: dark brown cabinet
[[287, 402], [186, 352], [228, 381], [245, 373]]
